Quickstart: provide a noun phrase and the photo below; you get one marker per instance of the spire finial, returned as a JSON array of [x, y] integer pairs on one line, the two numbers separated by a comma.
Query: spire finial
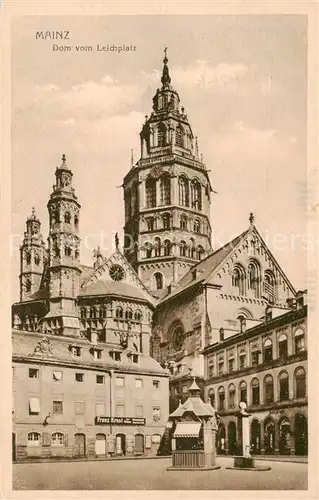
[[132, 158], [63, 158], [166, 79], [117, 241], [251, 218], [33, 212]]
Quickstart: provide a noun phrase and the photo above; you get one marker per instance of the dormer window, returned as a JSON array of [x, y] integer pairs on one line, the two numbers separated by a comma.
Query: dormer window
[[96, 352], [75, 350], [115, 355], [134, 358]]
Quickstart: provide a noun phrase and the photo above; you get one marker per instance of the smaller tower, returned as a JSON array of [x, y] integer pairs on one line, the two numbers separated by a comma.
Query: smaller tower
[[33, 256]]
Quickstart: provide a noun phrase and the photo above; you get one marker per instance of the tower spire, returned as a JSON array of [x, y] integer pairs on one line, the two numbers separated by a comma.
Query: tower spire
[[166, 79]]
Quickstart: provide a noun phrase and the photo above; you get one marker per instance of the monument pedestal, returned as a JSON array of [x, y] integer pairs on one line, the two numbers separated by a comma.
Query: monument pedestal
[[244, 462]]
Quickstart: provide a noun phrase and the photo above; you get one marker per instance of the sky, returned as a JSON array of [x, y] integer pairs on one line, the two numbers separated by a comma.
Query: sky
[[243, 83]]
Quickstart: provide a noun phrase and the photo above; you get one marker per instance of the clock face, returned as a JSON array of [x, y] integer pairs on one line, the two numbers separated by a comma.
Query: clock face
[[117, 272]]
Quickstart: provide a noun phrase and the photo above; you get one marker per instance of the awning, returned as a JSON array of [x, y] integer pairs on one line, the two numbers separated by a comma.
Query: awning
[[185, 429], [34, 405]]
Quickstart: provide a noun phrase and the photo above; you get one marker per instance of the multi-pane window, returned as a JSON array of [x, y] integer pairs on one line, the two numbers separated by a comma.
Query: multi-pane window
[[255, 397], [120, 410], [151, 193], [231, 396], [243, 392], [79, 407], [156, 413], [119, 381], [34, 439], [97, 354], [221, 398], [283, 346], [138, 411], [138, 383], [165, 190], [220, 367], [299, 340], [283, 386], [179, 137], [33, 373], [268, 389], [57, 439], [242, 359], [300, 382], [57, 407], [231, 364], [267, 351], [79, 377], [255, 358], [183, 192], [161, 135], [115, 355], [100, 379], [196, 195]]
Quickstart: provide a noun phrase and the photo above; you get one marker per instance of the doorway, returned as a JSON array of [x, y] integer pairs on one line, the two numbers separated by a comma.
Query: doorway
[[120, 444], [301, 435], [100, 445], [232, 438], [79, 445], [269, 438], [255, 437], [14, 451]]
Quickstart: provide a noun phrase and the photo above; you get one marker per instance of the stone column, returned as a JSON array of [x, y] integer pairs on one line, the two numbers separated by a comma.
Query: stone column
[[174, 190], [158, 192], [246, 435], [262, 438], [142, 194]]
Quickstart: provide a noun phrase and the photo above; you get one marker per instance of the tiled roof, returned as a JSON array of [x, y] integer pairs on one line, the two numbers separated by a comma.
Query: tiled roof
[[205, 267], [86, 272], [24, 344], [103, 287], [41, 294]]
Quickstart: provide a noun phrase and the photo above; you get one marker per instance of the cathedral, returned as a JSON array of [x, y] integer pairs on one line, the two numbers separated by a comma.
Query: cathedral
[[167, 294]]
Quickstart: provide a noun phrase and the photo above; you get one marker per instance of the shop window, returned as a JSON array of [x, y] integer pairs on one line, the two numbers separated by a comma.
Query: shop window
[[57, 439]]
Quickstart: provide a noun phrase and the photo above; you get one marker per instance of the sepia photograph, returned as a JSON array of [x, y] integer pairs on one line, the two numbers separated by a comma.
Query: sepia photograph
[[160, 214]]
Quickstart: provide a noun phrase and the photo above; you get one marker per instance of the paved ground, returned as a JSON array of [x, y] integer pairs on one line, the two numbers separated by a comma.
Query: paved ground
[[152, 475]]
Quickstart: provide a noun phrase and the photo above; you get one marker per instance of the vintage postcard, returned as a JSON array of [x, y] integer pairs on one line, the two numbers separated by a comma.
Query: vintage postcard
[[159, 197]]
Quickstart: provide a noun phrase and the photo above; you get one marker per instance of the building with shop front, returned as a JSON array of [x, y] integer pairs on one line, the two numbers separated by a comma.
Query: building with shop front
[[264, 366]]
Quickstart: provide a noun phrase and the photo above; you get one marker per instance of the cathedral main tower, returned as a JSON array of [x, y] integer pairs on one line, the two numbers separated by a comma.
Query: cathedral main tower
[[167, 195]]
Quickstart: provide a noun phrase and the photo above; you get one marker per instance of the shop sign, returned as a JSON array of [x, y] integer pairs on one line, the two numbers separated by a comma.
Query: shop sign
[[120, 420]]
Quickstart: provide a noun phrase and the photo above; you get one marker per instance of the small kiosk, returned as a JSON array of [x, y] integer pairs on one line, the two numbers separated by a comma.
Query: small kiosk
[[194, 429]]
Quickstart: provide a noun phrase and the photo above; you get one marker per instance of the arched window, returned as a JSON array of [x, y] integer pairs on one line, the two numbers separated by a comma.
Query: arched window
[[255, 393], [196, 226], [83, 312], [102, 312], [183, 248], [67, 251], [221, 398], [299, 337], [119, 312], [243, 392], [92, 312], [183, 191], [165, 190], [167, 247], [192, 249], [138, 315], [200, 252], [150, 221], [67, 217], [158, 278], [196, 195], [300, 382], [34, 439], [148, 250], [253, 272], [268, 389], [267, 354], [238, 279], [161, 135], [57, 439], [150, 187], [211, 397], [283, 346], [166, 218], [179, 136], [128, 314], [37, 259], [270, 285], [183, 222], [157, 247], [231, 396], [283, 386]]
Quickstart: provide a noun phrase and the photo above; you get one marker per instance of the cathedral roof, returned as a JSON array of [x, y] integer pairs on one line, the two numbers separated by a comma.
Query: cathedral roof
[[205, 267], [108, 287]]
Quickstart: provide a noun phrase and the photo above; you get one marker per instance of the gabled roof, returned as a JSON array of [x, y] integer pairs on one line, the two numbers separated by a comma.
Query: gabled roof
[[205, 267], [195, 405]]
